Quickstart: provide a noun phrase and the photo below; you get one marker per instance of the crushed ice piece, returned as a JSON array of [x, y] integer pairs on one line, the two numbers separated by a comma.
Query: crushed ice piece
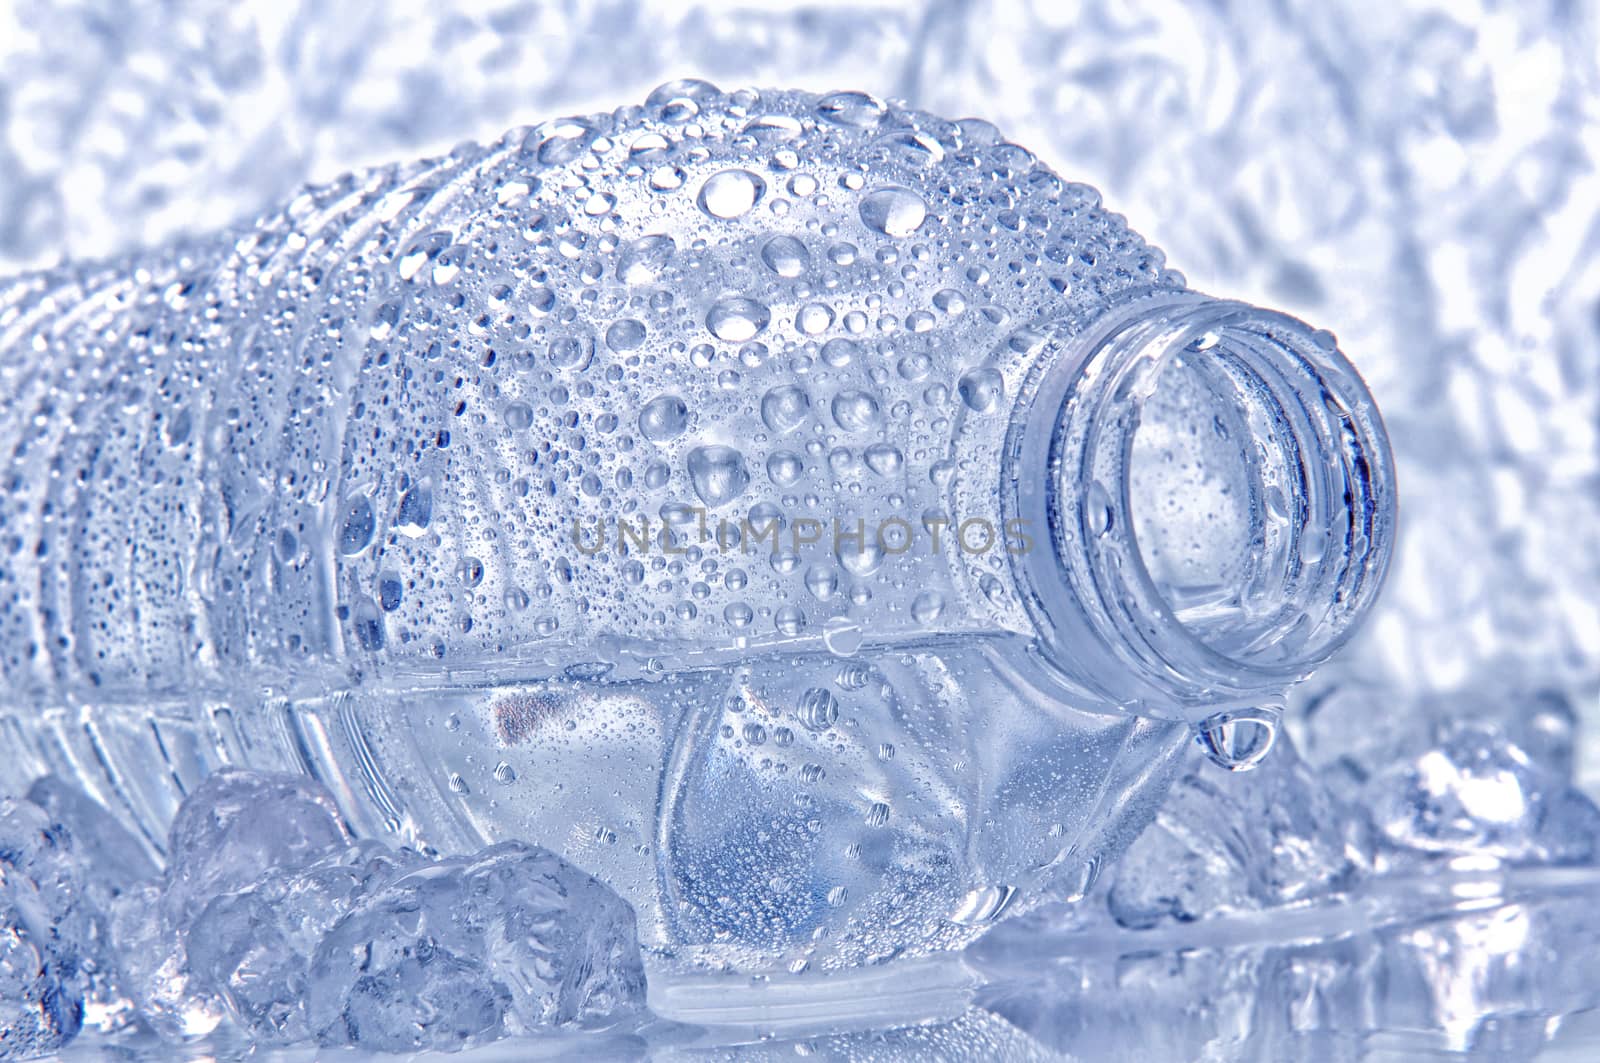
[[253, 948], [271, 918], [154, 970], [1226, 842], [114, 861], [110, 864], [236, 829], [47, 934], [1352, 730], [240, 826], [1478, 793], [512, 940]]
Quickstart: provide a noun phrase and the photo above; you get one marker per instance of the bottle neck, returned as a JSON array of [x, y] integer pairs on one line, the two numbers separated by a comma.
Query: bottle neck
[[1217, 501]]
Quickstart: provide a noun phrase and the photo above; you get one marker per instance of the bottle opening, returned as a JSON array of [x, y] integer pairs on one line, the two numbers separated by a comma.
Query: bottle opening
[[1190, 486], [1220, 499]]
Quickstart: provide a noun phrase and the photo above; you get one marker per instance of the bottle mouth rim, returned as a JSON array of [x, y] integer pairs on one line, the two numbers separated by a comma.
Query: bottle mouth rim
[[1319, 501]]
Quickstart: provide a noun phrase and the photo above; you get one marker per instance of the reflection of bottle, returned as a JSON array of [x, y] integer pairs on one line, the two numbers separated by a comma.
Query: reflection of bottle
[[799, 511]]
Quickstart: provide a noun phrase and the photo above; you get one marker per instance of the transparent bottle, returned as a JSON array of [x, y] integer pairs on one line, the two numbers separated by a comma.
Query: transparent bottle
[[810, 515]]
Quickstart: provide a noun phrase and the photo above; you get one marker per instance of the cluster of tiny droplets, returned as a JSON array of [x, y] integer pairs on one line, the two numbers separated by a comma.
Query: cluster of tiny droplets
[[371, 423]]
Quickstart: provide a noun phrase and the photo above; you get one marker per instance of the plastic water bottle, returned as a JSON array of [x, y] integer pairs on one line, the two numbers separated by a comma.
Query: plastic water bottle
[[814, 517]]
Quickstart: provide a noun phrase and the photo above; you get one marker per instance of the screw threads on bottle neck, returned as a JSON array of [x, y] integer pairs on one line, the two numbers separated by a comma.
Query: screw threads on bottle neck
[[1219, 498]]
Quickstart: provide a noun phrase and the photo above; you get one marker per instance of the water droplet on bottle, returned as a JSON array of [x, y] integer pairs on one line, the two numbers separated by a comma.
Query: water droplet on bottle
[[981, 389], [822, 581], [911, 148], [1098, 514], [575, 350], [842, 636], [420, 252], [667, 178], [625, 335], [731, 193], [368, 622], [855, 109], [814, 318], [789, 620], [878, 814], [773, 128], [785, 468], [416, 511], [983, 905], [785, 408], [737, 319], [817, 709], [681, 88], [860, 558], [893, 211], [785, 256], [286, 546], [540, 300], [855, 411], [518, 416], [648, 146], [356, 525], [853, 676], [679, 110], [718, 474], [663, 418], [1238, 739], [1313, 544], [559, 141], [384, 320], [884, 459], [840, 352], [645, 259], [391, 592], [927, 607]]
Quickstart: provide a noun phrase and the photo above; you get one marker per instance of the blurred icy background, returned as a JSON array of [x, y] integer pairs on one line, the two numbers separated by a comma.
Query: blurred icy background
[[1420, 178]]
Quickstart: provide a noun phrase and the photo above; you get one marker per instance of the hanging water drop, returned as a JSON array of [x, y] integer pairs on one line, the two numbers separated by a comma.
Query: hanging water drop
[[1238, 739]]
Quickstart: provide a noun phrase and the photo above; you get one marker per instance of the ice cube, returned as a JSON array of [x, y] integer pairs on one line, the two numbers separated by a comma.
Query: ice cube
[[1227, 842], [113, 860], [513, 939], [47, 934], [253, 948], [1477, 792], [237, 828]]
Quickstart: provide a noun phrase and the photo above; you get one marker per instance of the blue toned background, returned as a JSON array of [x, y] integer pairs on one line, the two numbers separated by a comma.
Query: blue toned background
[[1419, 178]]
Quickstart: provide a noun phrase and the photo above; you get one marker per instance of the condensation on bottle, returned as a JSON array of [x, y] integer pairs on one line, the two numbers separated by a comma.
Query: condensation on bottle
[[814, 517]]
